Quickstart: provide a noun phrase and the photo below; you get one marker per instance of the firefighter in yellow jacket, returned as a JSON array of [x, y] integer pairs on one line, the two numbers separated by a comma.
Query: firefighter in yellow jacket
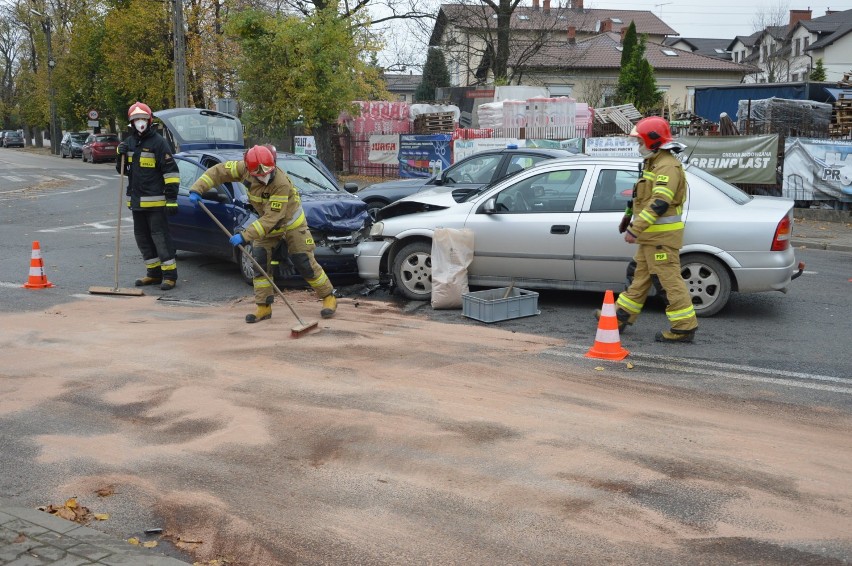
[[277, 203], [657, 227]]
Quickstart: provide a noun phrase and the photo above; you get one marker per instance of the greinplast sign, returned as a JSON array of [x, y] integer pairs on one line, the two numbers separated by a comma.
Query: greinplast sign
[[736, 159]]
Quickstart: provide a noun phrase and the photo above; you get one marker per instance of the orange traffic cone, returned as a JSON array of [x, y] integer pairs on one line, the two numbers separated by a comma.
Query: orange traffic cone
[[607, 340], [37, 280]]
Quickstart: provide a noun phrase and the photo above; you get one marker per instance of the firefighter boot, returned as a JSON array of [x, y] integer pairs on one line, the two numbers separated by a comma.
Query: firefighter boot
[[621, 315], [675, 335], [168, 284], [263, 312], [148, 280], [329, 306]]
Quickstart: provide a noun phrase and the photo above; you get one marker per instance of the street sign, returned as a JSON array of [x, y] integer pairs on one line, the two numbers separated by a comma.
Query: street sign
[[93, 114]]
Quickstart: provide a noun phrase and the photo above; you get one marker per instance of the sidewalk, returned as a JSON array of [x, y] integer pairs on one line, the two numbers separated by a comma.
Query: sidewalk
[[29, 537], [822, 234]]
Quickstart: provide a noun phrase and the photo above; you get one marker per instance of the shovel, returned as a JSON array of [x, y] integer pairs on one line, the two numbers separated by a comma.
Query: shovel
[[115, 290], [295, 332]]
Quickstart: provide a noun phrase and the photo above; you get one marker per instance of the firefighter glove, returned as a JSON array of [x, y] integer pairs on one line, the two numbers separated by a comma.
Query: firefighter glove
[[236, 239], [625, 222], [171, 207], [194, 197], [122, 148]]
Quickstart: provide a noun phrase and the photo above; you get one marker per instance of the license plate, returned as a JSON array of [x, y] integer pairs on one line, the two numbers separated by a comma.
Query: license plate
[[109, 147]]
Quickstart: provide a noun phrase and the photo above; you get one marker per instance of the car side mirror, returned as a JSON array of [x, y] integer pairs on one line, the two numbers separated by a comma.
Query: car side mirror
[[489, 206], [350, 187], [214, 195]]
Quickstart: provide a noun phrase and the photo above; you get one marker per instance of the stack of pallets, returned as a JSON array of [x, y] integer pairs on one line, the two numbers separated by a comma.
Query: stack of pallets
[[434, 123], [841, 118]]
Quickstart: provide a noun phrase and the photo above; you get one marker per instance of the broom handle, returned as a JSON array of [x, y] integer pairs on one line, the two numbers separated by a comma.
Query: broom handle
[[118, 225], [254, 262]]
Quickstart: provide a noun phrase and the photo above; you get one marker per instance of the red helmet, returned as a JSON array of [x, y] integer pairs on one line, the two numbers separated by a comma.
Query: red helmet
[[653, 131], [140, 111], [260, 160]]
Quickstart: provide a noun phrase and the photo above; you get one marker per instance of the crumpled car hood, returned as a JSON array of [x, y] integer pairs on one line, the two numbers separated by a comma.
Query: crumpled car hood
[[335, 213], [431, 199]]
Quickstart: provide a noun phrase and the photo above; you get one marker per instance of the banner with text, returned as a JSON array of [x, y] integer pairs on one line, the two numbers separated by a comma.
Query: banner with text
[[817, 169], [615, 146], [466, 148], [424, 155], [735, 159], [384, 149], [305, 145]]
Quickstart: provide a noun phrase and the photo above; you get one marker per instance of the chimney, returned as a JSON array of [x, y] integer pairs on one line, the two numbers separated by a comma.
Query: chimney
[[829, 11], [546, 6], [623, 33], [535, 5], [577, 5], [572, 35], [798, 16], [606, 25]]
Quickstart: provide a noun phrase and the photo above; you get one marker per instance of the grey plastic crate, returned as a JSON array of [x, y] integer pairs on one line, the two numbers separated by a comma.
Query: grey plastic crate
[[490, 306]]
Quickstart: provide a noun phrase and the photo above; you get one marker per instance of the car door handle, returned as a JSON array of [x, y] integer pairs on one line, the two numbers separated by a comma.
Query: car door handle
[[560, 229]]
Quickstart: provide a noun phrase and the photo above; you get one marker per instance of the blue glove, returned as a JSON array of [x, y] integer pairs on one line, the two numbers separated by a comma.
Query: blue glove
[[194, 197], [236, 239]]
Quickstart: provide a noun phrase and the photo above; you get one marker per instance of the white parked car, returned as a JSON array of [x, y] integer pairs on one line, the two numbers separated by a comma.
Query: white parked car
[[555, 226]]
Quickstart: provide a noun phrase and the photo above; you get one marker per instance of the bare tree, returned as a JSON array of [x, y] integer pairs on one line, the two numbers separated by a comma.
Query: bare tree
[[774, 50], [496, 41]]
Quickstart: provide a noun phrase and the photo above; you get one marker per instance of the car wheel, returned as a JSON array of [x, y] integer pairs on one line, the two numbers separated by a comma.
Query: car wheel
[[412, 271], [374, 206], [246, 265], [707, 281]]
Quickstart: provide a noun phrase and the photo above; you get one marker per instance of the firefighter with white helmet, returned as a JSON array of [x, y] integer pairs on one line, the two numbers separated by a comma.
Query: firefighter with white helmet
[[281, 217], [152, 189], [657, 227]]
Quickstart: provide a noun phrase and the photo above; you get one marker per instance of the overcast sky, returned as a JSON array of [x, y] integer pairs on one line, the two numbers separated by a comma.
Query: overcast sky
[[719, 18]]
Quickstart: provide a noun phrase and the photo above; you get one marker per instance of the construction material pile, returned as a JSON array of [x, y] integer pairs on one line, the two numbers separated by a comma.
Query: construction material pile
[[783, 116]]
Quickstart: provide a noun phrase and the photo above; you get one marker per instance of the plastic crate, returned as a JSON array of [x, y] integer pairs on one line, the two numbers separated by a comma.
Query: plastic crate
[[490, 306]]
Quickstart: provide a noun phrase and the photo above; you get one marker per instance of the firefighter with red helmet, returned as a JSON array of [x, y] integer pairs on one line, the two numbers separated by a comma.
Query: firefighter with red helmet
[[281, 217], [657, 227], [152, 190]]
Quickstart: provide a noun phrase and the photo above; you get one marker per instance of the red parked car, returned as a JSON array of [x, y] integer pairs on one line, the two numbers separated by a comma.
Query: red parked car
[[100, 147]]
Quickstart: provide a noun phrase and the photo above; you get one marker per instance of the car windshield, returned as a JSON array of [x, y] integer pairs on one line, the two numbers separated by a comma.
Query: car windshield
[[206, 127], [79, 137], [306, 177], [109, 138]]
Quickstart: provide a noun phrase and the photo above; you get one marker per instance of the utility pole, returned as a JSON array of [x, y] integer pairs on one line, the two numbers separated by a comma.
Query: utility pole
[[54, 130], [181, 99]]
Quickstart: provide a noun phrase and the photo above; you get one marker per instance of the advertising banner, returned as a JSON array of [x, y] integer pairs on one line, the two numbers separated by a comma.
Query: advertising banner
[[384, 149], [735, 159], [465, 148], [817, 169], [424, 155], [305, 145], [616, 146]]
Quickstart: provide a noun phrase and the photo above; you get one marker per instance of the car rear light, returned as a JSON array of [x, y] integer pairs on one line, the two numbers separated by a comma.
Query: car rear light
[[783, 232]]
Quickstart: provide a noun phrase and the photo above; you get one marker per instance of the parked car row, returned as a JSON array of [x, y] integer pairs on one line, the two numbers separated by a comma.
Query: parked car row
[[100, 147], [72, 144]]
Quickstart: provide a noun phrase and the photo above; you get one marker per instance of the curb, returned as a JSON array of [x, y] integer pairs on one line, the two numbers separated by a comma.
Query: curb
[[821, 246]]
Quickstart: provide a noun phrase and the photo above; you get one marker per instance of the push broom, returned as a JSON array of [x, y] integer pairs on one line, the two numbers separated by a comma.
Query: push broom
[[115, 290], [295, 332]]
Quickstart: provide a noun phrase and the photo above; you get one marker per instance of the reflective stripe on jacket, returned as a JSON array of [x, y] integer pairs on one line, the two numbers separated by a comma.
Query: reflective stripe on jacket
[[278, 204], [663, 180], [153, 174]]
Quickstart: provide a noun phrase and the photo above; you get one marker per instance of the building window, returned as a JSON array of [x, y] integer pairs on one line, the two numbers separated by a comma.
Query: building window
[[807, 42], [796, 47], [795, 77]]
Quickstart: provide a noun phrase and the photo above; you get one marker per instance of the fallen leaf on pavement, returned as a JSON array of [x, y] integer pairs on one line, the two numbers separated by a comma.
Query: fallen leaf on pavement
[[133, 540], [150, 544], [101, 516]]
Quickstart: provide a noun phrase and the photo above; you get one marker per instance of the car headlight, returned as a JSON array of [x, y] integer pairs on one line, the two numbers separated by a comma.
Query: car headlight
[[377, 229]]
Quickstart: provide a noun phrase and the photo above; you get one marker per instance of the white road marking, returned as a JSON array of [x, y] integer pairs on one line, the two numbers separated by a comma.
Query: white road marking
[[13, 179], [104, 225], [72, 177], [712, 368]]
